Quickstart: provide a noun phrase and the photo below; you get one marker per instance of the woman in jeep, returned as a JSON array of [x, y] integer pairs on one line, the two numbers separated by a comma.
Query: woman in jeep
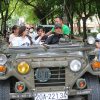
[[23, 39]]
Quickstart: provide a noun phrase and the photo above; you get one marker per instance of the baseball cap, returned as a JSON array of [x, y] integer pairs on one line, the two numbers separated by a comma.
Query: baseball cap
[[57, 25]]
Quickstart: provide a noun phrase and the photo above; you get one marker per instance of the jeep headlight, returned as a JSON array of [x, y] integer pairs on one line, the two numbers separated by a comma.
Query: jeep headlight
[[23, 68], [3, 59], [91, 40], [75, 65]]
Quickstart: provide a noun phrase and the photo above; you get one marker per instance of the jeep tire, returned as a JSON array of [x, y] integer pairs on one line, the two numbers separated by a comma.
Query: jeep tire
[[4, 90], [93, 83]]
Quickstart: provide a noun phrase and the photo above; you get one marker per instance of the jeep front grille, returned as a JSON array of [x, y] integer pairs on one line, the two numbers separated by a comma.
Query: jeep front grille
[[57, 77]]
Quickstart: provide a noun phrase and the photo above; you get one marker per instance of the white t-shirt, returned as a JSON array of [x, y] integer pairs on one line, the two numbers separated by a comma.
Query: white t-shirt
[[19, 41], [37, 41], [11, 37], [33, 35]]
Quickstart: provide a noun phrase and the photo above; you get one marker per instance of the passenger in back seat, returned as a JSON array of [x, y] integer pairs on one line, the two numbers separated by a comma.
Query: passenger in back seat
[[56, 35], [41, 37]]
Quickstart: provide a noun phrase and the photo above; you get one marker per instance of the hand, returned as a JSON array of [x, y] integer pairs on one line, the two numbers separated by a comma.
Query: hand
[[10, 45], [42, 34]]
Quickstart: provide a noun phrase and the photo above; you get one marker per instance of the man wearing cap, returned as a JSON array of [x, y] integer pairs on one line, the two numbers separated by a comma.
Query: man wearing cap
[[56, 35], [65, 29]]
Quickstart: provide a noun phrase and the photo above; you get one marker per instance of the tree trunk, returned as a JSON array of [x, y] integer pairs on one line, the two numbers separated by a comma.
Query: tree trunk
[[84, 28], [4, 28], [71, 22], [79, 26]]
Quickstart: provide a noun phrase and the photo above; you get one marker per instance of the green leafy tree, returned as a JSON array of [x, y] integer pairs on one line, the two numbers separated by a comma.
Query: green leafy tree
[[98, 7], [5, 13], [25, 11], [40, 8], [84, 9], [45, 9]]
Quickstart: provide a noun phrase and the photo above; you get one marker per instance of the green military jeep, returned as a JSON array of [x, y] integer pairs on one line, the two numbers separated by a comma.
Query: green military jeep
[[68, 70]]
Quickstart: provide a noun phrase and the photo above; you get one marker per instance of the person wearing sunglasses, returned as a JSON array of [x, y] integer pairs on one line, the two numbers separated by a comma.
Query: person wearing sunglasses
[[56, 35]]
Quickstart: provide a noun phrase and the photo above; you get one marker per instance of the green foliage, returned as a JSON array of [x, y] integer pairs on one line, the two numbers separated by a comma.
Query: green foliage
[[22, 10], [44, 9], [3, 6], [86, 7], [38, 10]]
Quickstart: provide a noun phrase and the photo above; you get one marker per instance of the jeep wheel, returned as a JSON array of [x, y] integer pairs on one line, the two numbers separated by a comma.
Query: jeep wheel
[[93, 83], [4, 90]]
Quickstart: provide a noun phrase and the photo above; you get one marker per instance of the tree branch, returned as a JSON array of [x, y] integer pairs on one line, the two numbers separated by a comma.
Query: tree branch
[[13, 10], [90, 1], [89, 14], [84, 7], [6, 14], [29, 3]]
